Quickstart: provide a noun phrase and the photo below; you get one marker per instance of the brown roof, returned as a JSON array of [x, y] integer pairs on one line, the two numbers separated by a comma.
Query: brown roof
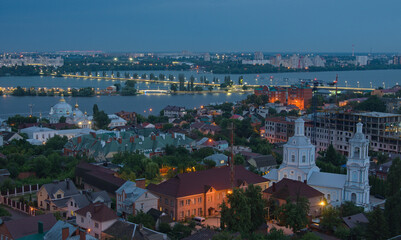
[[196, 182], [99, 212], [288, 188], [29, 225], [354, 220]]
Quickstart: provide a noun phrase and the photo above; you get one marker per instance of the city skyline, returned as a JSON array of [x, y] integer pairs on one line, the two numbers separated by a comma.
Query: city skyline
[[201, 26]]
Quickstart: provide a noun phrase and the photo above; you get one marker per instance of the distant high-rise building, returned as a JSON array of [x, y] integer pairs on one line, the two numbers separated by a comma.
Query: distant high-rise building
[[206, 57], [361, 60], [397, 60], [259, 56]]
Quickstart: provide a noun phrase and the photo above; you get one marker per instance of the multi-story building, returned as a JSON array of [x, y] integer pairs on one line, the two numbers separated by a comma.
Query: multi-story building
[[336, 128], [54, 196], [299, 95], [174, 111], [201, 193]]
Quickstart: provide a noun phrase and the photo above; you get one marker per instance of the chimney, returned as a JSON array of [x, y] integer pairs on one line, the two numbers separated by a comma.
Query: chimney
[[40, 227], [65, 232], [82, 234], [274, 187], [140, 182]]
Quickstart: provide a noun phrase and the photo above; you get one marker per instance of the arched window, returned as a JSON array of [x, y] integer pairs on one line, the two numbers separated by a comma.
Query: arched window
[[328, 197], [299, 178], [285, 176], [303, 158], [353, 197], [354, 176], [356, 152], [292, 157]]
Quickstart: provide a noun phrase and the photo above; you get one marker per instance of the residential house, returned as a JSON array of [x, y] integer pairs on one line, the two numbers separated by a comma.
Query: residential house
[[66, 231], [288, 189], [116, 121], [201, 193], [205, 128], [84, 199], [380, 170], [208, 142], [219, 158], [132, 198], [131, 231], [237, 117], [159, 217], [102, 147], [9, 136], [262, 163], [96, 217], [127, 116], [354, 220], [22, 227], [174, 111], [54, 196], [89, 176]]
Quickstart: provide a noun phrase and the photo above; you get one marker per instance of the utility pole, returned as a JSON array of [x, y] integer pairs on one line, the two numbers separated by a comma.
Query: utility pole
[[232, 173]]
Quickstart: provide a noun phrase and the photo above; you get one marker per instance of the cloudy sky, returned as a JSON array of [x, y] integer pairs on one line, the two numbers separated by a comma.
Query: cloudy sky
[[201, 25]]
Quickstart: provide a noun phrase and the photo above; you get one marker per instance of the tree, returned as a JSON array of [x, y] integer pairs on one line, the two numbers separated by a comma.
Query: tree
[[143, 218], [102, 120], [349, 209], [330, 218], [275, 234], [62, 119], [294, 214], [173, 87], [57, 142], [246, 212], [392, 212], [394, 178], [310, 236], [377, 226], [95, 109], [373, 103]]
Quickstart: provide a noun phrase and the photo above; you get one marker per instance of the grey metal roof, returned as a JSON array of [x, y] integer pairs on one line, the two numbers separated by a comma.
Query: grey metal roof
[[324, 179], [68, 189]]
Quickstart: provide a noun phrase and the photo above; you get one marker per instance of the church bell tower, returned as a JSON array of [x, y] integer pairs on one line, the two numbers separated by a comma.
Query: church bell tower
[[357, 183]]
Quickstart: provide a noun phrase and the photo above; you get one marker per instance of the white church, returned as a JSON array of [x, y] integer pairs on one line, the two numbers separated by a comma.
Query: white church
[[299, 164]]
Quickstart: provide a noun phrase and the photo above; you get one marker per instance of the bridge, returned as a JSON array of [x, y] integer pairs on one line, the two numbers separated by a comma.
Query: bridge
[[333, 88], [137, 80], [150, 91]]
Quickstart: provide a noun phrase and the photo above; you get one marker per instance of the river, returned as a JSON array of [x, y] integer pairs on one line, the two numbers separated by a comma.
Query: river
[[10, 105]]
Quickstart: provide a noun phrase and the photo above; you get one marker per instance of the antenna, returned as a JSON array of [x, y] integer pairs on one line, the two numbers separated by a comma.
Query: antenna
[[232, 173]]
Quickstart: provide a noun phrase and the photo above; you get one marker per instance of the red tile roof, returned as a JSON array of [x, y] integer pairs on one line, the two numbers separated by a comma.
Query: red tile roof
[[99, 212], [29, 225], [195, 183], [288, 188]]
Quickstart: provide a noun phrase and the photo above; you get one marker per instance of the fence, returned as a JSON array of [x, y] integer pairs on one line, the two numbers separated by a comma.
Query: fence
[[17, 205], [20, 191]]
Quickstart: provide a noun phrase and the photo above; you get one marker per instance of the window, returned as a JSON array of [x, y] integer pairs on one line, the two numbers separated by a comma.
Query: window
[[82, 219], [182, 213], [75, 204], [328, 197], [166, 201], [96, 225], [141, 206], [299, 178], [209, 199], [146, 195], [200, 200], [194, 212], [285, 175], [171, 203], [71, 204], [303, 158], [182, 203], [58, 196], [292, 157], [188, 213]]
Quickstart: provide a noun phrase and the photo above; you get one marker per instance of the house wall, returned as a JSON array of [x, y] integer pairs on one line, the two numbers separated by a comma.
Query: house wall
[[4, 233], [95, 227], [204, 204], [146, 202]]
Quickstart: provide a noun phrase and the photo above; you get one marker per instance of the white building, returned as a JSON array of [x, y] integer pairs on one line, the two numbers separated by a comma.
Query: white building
[[361, 60], [116, 121], [299, 164], [131, 199], [41, 134], [72, 115]]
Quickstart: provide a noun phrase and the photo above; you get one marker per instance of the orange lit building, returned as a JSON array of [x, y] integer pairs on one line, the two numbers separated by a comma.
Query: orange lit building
[[299, 95]]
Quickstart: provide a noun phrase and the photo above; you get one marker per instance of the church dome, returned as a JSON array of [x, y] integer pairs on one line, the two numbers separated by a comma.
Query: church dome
[[61, 108]]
